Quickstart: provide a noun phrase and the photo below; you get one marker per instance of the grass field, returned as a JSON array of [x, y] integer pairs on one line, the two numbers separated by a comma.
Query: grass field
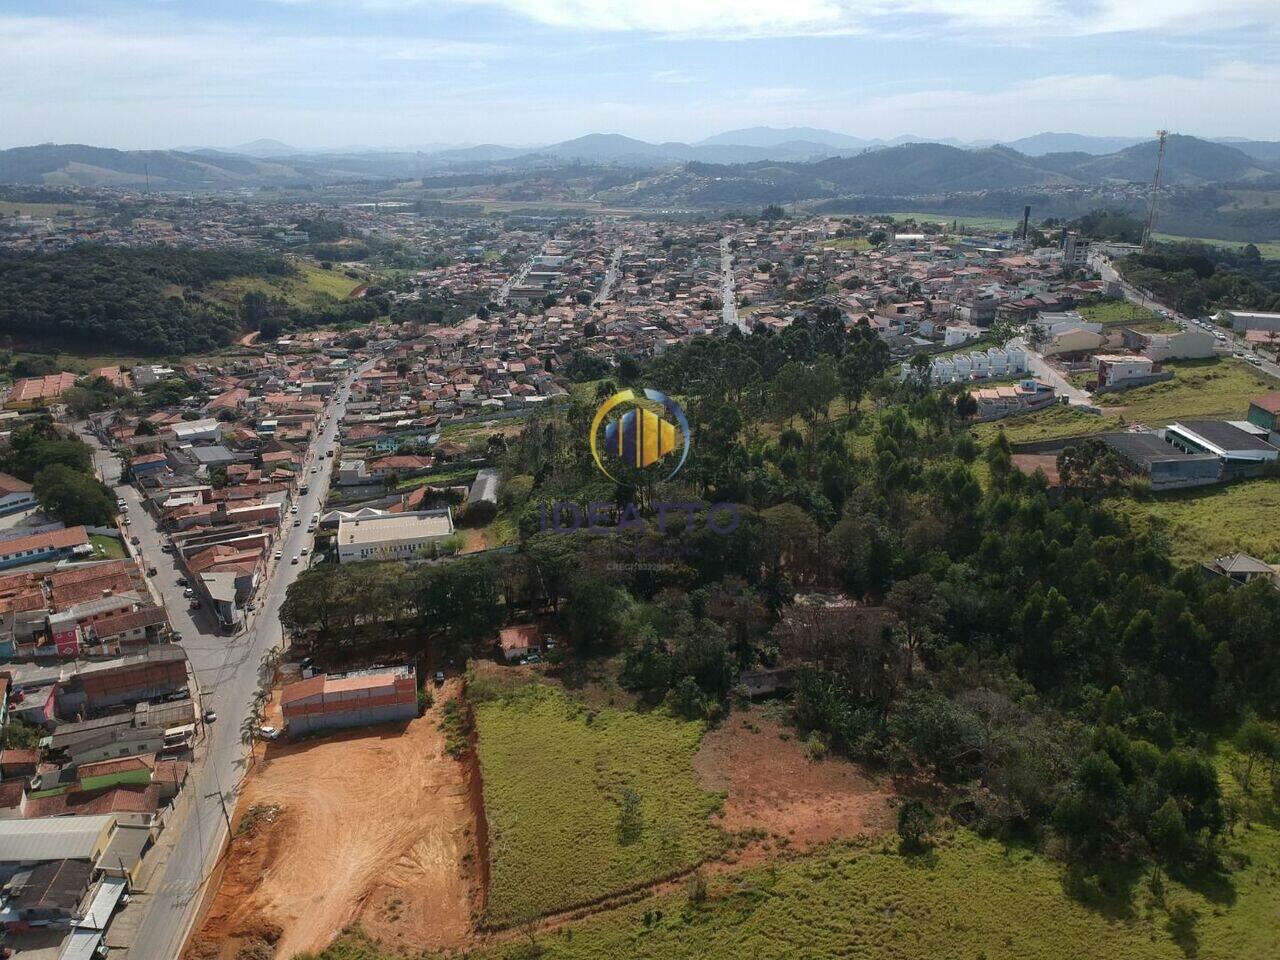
[[1213, 521], [969, 898], [556, 780], [1270, 249], [1122, 313], [856, 244], [1048, 424], [311, 286], [975, 223], [1200, 388], [106, 548], [1218, 388]]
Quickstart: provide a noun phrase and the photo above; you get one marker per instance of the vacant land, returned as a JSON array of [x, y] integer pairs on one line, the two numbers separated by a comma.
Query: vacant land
[[106, 547], [1122, 313], [1048, 424], [582, 803], [1213, 389], [1203, 524], [1219, 388], [856, 244], [1269, 249], [373, 825], [774, 786], [976, 223], [968, 898], [311, 286]]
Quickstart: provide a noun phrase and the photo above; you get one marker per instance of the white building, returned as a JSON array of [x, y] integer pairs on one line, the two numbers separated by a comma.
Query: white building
[[394, 536]]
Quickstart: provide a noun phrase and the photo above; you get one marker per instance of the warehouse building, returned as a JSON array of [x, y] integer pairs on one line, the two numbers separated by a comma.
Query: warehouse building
[[360, 698], [393, 536], [1164, 465]]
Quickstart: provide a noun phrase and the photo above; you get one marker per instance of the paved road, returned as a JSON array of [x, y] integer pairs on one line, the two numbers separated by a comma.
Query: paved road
[[610, 277], [514, 280], [728, 298], [1046, 373], [1232, 344], [227, 673]]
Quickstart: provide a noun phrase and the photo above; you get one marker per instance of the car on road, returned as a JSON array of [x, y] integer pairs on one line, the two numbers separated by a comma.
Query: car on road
[[295, 559], [210, 716], [297, 523], [315, 469], [294, 508], [304, 551]]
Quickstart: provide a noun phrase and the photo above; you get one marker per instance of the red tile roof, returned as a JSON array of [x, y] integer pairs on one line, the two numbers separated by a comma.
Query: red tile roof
[[1269, 402]]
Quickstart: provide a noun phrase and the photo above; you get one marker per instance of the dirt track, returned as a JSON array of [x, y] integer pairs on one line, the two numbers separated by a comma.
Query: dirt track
[[373, 825]]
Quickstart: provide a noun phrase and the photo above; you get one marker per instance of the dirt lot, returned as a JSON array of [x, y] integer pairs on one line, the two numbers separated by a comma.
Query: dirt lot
[[775, 787], [375, 825]]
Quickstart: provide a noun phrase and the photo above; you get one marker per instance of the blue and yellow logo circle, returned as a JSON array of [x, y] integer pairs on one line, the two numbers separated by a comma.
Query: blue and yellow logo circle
[[639, 437]]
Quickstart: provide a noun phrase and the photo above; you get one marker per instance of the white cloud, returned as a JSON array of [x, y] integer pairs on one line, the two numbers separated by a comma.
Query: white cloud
[[999, 21]]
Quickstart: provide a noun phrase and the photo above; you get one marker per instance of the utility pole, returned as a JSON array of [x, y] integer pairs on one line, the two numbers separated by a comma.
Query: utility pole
[[1150, 225], [222, 799]]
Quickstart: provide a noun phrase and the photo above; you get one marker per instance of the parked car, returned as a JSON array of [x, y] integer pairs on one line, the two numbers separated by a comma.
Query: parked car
[[297, 523], [268, 732], [188, 593], [151, 571], [439, 678], [195, 605], [277, 555], [166, 548], [184, 582], [135, 541], [210, 716]]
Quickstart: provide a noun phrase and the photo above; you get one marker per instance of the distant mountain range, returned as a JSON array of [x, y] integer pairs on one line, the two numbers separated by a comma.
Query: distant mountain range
[[800, 161]]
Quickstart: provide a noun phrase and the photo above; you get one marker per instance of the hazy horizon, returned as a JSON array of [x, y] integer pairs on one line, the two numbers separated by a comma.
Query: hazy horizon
[[317, 74]]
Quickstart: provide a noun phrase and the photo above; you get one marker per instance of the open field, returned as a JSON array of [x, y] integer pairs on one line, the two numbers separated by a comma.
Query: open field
[[1048, 424], [968, 898], [1213, 521], [1122, 313], [772, 785], [106, 548], [1200, 388], [558, 777], [373, 825], [312, 286], [1215, 389], [847, 243], [1270, 249], [974, 223]]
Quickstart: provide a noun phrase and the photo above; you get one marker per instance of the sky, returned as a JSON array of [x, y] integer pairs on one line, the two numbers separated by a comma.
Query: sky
[[414, 73]]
